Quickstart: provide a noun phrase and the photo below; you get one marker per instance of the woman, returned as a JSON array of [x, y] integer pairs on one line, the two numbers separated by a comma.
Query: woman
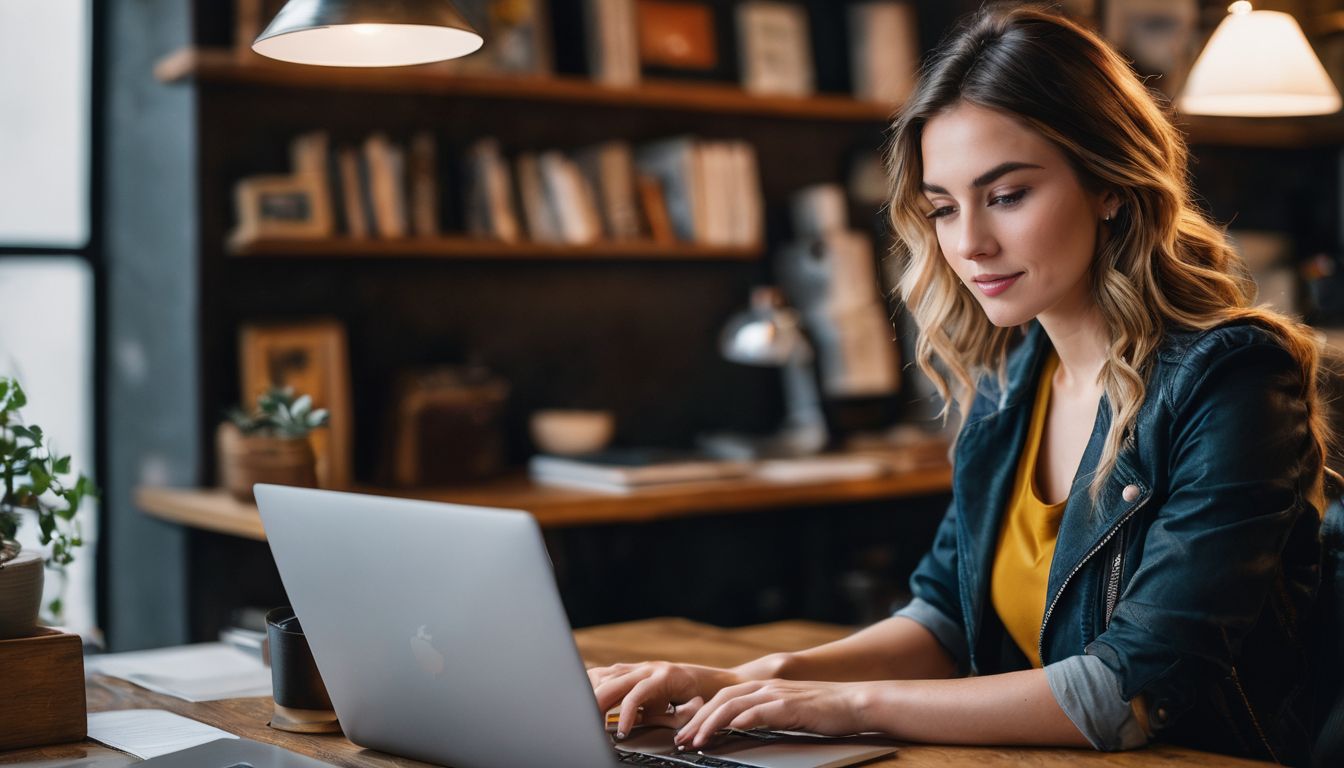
[[1133, 540]]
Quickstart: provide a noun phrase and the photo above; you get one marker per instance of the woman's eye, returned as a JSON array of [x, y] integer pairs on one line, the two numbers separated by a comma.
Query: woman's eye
[[1009, 198], [938, 213]]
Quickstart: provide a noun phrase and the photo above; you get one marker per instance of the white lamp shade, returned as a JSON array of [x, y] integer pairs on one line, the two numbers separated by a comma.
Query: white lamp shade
[[365, 33], [1258, 64]]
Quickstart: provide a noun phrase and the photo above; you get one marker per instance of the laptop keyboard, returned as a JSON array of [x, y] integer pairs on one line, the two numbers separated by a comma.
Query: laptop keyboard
[[681, 760]]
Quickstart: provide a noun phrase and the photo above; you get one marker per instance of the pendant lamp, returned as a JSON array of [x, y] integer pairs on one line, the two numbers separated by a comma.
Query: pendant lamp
[[1258, 64], [367, 33]]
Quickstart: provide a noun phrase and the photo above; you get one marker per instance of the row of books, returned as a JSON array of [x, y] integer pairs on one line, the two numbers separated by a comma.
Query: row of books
[[675, 190]]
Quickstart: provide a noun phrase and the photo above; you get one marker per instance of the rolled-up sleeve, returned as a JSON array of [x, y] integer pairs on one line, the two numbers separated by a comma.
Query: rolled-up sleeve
[[948, 632], [1089, 693]]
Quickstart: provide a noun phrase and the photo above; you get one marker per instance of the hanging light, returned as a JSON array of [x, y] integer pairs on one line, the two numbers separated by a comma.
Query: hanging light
[[1258, 64], [367, 33]]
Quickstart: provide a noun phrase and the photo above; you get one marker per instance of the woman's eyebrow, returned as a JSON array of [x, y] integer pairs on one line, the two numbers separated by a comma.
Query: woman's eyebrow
[[986, 178]]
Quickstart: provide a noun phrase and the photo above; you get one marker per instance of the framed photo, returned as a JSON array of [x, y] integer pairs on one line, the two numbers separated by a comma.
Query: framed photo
[[282, 207], [775, 48], [311, 358], [677, 35], [1160, 36]]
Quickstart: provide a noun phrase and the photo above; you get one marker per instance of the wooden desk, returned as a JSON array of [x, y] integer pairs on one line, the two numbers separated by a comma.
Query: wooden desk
[[914, 472], [673, 639]]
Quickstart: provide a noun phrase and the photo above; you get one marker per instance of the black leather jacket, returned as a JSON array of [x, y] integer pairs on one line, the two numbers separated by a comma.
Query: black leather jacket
[[1193, 575]]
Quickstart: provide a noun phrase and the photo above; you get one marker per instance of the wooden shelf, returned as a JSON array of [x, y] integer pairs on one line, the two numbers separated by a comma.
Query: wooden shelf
[[914, 473], [1270, 132], [479, 248], [226, 66]]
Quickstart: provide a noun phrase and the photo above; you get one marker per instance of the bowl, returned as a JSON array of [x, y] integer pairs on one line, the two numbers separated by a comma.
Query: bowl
[[572, 432]]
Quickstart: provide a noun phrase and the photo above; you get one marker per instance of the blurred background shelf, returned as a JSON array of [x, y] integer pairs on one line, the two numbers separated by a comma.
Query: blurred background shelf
[[224, 66], [213, 509], [480, 248]]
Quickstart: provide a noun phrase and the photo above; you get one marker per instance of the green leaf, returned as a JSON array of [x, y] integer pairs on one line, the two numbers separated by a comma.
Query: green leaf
[[68, 513], [56, 607], [46, 526], [61, 466], [28, 432], [40, 479]]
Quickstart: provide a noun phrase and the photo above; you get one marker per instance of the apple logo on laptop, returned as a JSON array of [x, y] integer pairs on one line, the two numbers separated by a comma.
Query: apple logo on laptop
[[426, 655]]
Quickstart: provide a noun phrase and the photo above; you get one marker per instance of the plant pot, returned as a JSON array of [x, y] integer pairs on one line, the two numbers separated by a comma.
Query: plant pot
[[245, 460], [20, 594]]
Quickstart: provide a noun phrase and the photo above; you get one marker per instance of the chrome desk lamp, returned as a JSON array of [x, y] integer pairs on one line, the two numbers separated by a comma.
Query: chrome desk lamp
[[769, 334]]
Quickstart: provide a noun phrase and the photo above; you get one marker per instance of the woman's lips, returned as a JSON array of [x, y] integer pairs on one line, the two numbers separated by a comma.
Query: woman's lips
[[997, 285]]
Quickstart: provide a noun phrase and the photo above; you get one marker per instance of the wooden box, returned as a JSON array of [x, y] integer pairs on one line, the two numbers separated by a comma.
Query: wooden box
[[42, 690]]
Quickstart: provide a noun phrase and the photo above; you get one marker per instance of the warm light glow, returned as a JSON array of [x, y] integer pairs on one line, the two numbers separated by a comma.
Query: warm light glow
[[369, 45], [1258, 64], [1239, 7]]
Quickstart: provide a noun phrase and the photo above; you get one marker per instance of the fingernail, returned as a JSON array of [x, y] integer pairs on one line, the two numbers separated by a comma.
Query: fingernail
[[681, 747], [620, 735]]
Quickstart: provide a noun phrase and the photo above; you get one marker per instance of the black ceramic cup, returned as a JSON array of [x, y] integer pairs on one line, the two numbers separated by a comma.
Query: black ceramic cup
[[301, 701]]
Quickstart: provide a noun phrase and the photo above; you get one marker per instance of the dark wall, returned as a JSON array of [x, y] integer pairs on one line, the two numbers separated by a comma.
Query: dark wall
[[153, 389]]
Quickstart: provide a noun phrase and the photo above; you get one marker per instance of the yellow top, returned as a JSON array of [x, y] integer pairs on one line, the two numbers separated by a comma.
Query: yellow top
[[1027, 540]]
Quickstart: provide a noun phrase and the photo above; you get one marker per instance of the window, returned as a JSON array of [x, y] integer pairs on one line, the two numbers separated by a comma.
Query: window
[[46, 262]]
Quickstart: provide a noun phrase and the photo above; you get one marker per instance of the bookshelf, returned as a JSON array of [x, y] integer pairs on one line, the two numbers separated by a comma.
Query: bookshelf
[[469, 248], [224, 66]]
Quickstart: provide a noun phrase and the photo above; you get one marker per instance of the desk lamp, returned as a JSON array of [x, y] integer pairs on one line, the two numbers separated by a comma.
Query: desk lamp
[[1258, 64], [367, 33], [768, 334]]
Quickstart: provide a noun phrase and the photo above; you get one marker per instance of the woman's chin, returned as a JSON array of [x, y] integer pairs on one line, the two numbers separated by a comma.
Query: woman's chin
[[1006, 317]]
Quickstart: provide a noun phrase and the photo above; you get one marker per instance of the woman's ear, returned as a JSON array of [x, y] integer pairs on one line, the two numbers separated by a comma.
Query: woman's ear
[[1110, 204]]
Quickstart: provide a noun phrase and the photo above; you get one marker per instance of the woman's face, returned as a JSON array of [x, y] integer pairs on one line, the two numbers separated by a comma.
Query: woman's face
[[1011, 216]]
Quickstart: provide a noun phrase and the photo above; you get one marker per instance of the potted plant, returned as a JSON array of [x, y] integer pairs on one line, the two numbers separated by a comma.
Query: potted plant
[[36, 481], [270, 444]]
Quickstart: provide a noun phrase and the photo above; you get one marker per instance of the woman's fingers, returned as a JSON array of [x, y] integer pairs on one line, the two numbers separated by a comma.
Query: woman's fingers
[[720, 717], [614, 689], [673, 715], [719, 700], [645, 697]]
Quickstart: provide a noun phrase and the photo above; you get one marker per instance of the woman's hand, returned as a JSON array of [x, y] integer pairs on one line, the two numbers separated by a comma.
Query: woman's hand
[[833, 709], [655, 692]]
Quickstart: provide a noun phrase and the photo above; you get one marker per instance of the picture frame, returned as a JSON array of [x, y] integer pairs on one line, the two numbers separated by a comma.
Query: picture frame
[[312, 358], [775, 48], [1161, 37], [685, 40], [286, 207]]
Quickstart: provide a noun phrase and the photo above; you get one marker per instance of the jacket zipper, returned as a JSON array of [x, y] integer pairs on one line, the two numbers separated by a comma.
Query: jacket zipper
[[1113, 586], [1040, 641]]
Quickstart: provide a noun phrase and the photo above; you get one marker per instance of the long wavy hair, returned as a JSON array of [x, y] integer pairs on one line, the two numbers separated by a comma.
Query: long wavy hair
[[1160, 263]]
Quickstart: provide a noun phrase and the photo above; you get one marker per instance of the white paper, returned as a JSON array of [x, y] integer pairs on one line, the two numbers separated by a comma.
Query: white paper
[[201, 672], [821, 469], [148, 733]]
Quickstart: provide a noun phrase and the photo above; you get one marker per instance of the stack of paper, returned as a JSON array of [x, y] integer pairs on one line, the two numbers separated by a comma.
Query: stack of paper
[[148, 733], [202, 672]]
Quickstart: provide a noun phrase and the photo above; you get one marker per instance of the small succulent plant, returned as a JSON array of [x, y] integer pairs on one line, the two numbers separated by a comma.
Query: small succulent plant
[[36, 479], [279, 413]]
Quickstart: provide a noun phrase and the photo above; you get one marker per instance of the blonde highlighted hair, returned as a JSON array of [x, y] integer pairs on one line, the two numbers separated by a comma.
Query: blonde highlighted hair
[[1162, 264]]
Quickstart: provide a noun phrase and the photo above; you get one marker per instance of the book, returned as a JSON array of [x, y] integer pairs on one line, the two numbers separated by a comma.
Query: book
[[491, 210], [612, 45], [424, 185], [570, 198], [631, 468], [537, 212], [676, 165], [775, 48], [352, 198], [386, 171], [884, 51], [609, 168], [654, 209]]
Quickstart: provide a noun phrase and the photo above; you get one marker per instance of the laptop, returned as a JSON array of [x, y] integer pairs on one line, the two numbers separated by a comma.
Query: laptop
[[440, 635]]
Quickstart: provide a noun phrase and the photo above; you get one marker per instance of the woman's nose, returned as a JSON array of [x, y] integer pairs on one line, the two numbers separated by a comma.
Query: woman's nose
[[974, 239]]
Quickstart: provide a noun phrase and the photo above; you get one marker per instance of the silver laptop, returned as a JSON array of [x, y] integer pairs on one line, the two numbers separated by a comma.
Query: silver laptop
[[440, 635]]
